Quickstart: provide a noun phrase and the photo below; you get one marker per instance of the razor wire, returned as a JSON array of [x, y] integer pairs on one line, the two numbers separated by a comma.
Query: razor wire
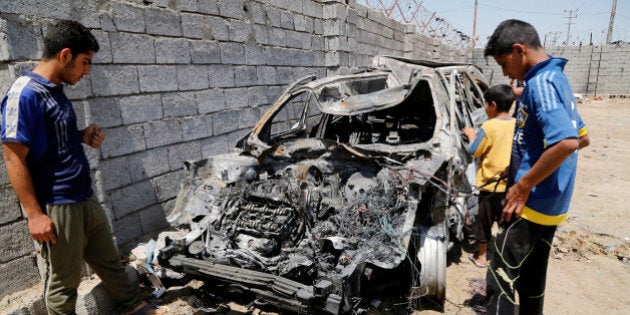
[[425, 21]]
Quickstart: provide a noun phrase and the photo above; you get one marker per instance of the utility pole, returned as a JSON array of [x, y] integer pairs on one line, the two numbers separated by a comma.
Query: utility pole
[[570, 17], [474, 30], [555, 38], [612, 21]]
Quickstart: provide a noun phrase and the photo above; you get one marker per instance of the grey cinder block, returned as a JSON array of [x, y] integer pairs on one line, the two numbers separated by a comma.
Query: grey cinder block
[[163, 22], [132, 48], [116, 173], [232, 53], [210, 101], [157, 78], [17, 275], [215, 145], [179, 104], [245, 76], [195, 127], [163, 132], [167, 186], [192, 77], [172, 50], [140, 108], [147, 164], [16, 240], [232, 9], [114, 80], [123, 140], [128, 18], [194, 25], [219, 28], [205, 52], [224, 122], [221, 75], [130, 198]]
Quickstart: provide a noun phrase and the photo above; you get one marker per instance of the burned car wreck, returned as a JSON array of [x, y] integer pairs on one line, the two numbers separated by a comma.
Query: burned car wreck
[[346, 187]]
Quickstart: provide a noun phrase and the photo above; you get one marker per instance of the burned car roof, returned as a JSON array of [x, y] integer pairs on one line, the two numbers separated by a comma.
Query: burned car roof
[[348, 186], [386, 84]]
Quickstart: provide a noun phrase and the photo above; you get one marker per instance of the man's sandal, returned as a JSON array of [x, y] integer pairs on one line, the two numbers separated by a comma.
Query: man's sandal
[[474, 261]]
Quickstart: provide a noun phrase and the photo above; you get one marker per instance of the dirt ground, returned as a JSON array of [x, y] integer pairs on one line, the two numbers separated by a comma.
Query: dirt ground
[[589, 270]]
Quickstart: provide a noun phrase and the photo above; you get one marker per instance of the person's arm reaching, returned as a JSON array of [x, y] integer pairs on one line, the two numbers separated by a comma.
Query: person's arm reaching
[[40, 225], [549, 161], [470, 133]]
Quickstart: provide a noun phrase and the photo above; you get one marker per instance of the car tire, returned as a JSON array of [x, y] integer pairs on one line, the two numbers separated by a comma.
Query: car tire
[[432, 257]]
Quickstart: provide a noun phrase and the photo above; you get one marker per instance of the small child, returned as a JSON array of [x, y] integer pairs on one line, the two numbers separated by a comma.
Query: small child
[[493, 145]]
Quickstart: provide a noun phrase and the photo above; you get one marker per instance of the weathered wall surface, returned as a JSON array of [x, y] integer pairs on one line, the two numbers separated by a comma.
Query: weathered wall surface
[[598, 70], [178, 80]]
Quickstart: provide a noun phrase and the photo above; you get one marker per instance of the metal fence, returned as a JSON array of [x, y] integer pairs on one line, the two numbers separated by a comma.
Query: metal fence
[[426, 22]]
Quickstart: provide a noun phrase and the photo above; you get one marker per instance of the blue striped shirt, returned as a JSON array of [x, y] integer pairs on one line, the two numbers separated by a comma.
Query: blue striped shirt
[[37, 113], [546, 114]]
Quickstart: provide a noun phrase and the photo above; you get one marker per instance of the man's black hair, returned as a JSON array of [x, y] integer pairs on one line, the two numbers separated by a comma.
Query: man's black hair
[[511, 32], [502, 95], [68, 34]]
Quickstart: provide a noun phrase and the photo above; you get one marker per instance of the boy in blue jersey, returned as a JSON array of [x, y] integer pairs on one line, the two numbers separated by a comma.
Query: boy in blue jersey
[[50, 174], [493, 145], [542, 168]]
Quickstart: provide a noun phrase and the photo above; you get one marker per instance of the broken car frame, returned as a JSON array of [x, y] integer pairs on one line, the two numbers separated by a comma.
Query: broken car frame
[[347, 186]]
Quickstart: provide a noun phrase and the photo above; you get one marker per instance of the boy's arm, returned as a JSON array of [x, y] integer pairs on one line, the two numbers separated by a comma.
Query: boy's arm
[[40, 225], [585, 141], [470, 133], [548, 163], [477, 140]]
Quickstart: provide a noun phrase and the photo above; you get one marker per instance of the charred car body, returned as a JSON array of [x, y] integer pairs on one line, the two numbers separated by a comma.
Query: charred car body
[[347, 184]]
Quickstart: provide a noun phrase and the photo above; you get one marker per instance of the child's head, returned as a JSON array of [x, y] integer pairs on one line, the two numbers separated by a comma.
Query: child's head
[[499, 99], [510, 44]]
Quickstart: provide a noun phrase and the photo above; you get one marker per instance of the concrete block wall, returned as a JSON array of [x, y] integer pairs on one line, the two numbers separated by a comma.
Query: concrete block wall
[[181, 80], [592, 70]]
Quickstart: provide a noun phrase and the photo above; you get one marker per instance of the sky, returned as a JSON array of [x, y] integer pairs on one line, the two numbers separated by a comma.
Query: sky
[[549, 17]]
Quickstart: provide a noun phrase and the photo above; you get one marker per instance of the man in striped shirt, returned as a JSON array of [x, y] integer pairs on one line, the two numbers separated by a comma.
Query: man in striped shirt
[[50, 174]]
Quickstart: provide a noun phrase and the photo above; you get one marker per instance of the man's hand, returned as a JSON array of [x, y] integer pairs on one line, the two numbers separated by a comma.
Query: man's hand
[[93, 136], [515, 201], [42, 228], [518, 90]]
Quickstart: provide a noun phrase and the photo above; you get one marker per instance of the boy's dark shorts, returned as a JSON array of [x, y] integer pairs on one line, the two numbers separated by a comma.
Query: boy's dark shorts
[[490, 208]]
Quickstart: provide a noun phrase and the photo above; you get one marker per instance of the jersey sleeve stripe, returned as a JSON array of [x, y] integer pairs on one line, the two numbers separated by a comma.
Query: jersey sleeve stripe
[[12, 114]]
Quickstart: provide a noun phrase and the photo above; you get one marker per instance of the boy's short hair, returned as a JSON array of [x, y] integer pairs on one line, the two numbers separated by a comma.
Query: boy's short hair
[[68, 34], [511, 32], [502, 95]]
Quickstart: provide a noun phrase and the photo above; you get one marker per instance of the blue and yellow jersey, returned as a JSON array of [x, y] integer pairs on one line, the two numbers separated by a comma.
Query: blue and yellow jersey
[[546, 114]]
